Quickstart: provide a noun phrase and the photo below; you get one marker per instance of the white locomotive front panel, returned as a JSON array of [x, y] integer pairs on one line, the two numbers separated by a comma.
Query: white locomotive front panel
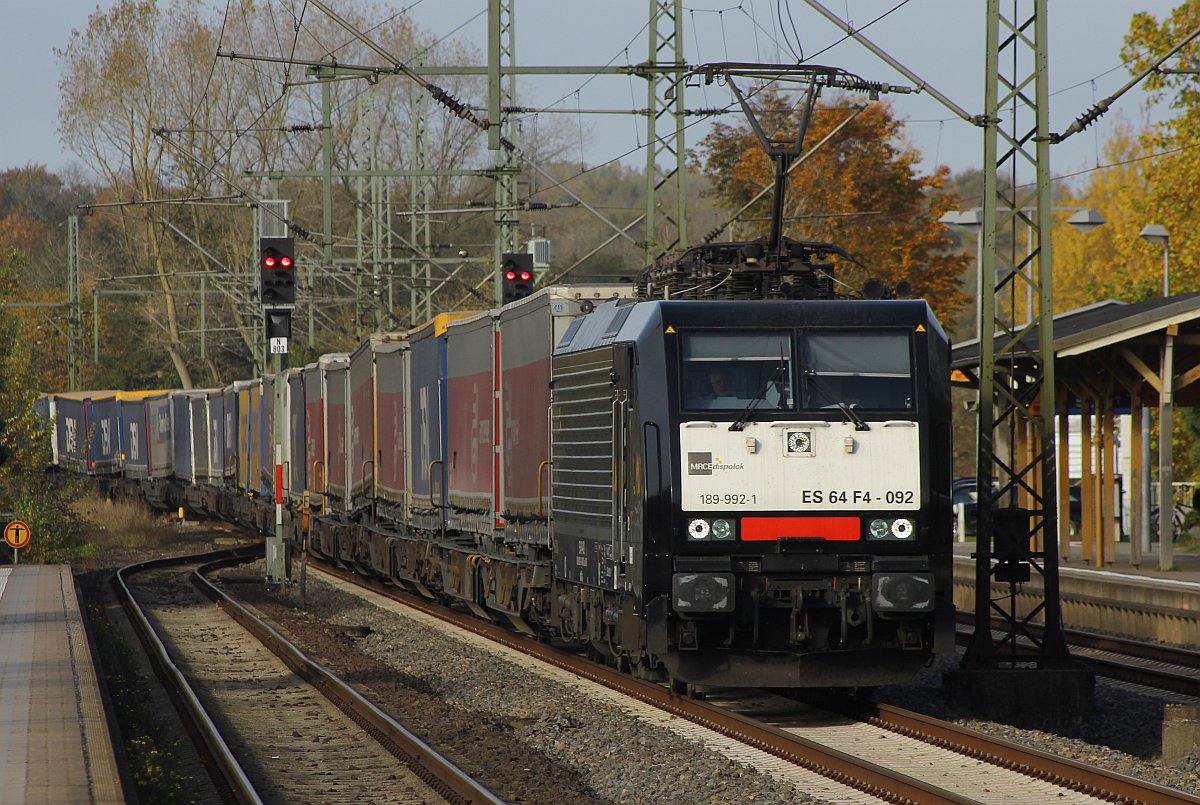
[[800, 466]]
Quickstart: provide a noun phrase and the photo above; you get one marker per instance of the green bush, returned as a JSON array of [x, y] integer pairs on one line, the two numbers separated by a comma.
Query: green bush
[[44, 503]]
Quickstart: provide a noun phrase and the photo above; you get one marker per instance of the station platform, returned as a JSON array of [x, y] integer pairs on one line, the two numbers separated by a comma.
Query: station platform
[[1143, 602], [55, 745], [1186, 565]]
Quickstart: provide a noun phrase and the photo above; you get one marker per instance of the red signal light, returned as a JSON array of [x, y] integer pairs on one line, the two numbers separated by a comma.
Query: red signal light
[[526, 276], [510, 275], [269, 261], [285, 262]]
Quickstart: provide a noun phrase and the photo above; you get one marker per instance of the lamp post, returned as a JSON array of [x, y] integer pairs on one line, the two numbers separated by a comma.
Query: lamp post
[[971, 220], [1083, 219], [1156, 233]]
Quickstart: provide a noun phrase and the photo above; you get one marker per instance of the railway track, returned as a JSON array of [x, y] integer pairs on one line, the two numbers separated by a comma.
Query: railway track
[[1154, 665], [273, 725], [880, 753]]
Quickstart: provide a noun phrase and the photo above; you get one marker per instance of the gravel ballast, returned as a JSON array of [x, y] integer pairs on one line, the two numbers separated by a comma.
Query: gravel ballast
[[533, 739]]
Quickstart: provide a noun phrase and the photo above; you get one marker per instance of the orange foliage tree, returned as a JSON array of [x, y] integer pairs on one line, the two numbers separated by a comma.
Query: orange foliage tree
[[1112, 262], [860, 190], [1173, 175]]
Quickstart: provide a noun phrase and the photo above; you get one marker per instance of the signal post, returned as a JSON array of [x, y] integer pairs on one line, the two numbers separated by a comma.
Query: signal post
[[516, 276], [277, 293]]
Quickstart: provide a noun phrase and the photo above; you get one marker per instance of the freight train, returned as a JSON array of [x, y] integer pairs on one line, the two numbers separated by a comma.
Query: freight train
[[711, 491]]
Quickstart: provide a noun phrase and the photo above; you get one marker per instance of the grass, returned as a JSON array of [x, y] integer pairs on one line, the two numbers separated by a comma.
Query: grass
[[112, 524]]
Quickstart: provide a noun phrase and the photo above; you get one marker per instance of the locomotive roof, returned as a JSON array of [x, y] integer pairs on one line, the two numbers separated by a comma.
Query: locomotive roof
[[625, 320]]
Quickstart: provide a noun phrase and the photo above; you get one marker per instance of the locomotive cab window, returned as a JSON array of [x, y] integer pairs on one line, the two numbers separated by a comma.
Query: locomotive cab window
[[727, 371], [862, 370]]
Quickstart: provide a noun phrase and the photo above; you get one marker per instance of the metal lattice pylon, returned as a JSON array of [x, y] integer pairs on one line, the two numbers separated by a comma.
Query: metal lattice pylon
[[666, 218], [502, 94], [420, 300], [1016, 360], [74, 308]]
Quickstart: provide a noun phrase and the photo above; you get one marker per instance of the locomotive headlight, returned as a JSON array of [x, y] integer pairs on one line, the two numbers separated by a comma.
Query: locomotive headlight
[[899, 528], [698, 528], [722, 529]]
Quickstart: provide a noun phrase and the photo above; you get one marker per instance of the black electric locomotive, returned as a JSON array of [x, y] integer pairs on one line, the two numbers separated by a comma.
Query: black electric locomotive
[[773, 511]]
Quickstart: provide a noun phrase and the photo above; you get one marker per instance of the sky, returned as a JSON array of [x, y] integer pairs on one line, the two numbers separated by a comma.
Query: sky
[[940, 40]]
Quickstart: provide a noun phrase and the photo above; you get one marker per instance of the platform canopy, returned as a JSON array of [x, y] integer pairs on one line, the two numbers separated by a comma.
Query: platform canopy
[[1109, 359], [1114, 339]]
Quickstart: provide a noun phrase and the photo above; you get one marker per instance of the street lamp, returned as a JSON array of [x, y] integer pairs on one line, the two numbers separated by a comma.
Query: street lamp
[[1083, 219], [970, 221], [1086, 220], [1155, 233]]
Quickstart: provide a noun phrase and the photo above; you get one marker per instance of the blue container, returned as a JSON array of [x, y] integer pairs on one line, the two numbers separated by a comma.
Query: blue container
[[87, 432]]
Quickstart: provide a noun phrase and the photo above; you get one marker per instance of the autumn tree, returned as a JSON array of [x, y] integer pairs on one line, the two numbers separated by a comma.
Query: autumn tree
[[1173, 174], [186, 138], [20, 445], [860, 190], [1110, 262]]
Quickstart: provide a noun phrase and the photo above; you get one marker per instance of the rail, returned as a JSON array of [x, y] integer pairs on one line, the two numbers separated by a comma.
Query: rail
[[868, 777], [438, 772], [435, 770], [227, 773], [1152, 665]]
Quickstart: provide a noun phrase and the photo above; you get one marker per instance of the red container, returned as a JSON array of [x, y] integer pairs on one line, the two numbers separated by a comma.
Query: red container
[[315, 473], [335, 384], [471, 456], [391, 365]]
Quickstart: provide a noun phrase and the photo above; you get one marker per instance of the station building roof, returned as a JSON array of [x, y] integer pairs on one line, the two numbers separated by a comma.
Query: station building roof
[[1106, 341]]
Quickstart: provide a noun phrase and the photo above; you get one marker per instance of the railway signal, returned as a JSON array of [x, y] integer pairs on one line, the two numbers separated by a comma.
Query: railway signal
[[277, 272], [516, 276], [277, 293]]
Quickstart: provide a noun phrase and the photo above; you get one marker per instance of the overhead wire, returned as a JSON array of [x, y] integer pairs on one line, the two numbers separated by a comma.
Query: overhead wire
[[778, 18], [796, 33], [731, 105]]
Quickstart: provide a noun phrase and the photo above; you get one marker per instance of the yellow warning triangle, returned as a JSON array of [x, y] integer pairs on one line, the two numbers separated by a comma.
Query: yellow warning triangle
[[670, 329], [920, 328]]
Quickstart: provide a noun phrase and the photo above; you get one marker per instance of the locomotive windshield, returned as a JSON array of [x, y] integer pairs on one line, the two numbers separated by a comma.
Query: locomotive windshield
[[728, 370], [860, 370]]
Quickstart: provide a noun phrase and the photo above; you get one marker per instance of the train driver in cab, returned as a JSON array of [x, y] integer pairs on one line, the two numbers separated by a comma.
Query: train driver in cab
[[720, 380]]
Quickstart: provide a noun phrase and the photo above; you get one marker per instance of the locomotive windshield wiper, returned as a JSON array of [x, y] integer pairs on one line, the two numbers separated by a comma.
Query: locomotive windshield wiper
[[851, 415], [779, 374]]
